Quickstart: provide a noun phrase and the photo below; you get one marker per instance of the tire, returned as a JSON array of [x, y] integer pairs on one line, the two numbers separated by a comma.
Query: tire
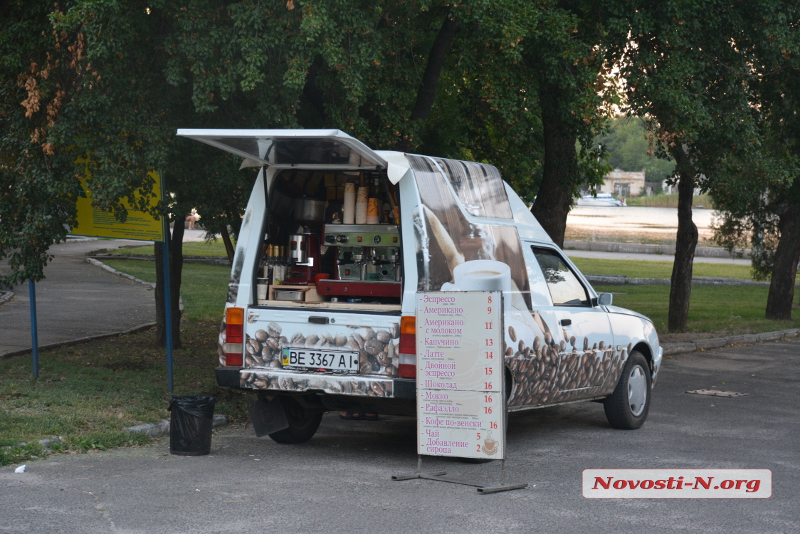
[[303, 423], [627, 407]]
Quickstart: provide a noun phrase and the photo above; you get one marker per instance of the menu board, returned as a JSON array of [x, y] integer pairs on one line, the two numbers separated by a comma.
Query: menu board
[[460, 397]]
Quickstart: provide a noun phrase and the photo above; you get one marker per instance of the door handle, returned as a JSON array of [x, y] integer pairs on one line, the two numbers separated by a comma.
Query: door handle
[[566, 322]]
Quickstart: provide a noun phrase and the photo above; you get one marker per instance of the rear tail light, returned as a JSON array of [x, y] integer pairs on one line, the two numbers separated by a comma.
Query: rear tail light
[[407, 367], [234, 337]]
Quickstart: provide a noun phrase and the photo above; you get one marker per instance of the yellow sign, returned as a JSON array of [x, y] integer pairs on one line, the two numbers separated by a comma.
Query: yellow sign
[[140, 225]]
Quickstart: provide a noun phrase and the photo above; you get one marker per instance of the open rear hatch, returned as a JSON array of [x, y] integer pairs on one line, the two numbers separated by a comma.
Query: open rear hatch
[[341, 336], [307, 149]]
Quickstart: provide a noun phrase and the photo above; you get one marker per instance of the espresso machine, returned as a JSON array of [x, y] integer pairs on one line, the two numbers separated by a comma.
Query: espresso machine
[[367, 260]]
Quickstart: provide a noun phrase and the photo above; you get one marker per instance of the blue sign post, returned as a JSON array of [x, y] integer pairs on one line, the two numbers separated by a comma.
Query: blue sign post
[[167, 302], [34, 329]]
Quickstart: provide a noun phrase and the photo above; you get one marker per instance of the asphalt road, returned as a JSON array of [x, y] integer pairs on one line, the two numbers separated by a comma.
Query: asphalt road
[[341, 480]]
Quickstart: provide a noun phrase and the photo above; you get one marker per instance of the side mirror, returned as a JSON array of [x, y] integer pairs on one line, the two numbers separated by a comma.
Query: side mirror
[[605, 299]]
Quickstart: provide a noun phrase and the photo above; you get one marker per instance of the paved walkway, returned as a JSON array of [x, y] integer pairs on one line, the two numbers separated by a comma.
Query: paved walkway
[[77, 300]]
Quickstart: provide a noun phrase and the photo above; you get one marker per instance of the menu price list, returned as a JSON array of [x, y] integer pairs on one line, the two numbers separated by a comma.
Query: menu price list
[[459, 374], [460, 423]]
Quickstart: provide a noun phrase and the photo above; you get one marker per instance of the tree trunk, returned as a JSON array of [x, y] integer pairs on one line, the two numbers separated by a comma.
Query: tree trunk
[[175, 243], [313, 93], [226, 238], [784, 267], [686, 241], [433, 70], [559, 178]]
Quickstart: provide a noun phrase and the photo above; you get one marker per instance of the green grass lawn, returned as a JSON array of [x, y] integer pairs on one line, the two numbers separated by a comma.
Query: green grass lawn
[[729, 309], [203, 287], [214, 247], [663, 200], [89, 393], [658, 269]]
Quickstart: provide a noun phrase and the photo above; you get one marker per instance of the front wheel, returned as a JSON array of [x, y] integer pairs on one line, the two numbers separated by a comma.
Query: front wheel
[[303, 422], [626, 408]]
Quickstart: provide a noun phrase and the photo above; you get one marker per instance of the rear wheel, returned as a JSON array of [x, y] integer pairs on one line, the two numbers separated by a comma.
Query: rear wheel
[[303, 422], [627, 406]]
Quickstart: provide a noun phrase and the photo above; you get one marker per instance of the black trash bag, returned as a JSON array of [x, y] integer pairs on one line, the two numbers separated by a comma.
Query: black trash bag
[[190, 425]]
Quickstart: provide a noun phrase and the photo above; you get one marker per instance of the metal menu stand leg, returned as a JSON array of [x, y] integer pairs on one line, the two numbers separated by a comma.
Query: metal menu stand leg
[[439, 476]]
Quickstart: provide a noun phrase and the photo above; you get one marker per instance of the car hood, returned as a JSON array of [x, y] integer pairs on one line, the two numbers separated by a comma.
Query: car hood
[[625, 311]]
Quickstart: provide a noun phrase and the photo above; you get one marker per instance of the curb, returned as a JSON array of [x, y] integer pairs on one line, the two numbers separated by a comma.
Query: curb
[[5, 296], [105, 267], [161, 428], [45, 443], [718, 342], [152, 430]]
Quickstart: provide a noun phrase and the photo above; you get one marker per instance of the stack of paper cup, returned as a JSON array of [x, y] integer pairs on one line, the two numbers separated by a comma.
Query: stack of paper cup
[[372, 211], [361, 205], [348, 217]]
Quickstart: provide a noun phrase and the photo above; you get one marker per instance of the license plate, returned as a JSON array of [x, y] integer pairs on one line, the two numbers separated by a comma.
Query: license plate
[[329, 361]]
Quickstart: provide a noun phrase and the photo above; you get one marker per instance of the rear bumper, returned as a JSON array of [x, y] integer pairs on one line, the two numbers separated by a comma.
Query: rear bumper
[[289, 381]]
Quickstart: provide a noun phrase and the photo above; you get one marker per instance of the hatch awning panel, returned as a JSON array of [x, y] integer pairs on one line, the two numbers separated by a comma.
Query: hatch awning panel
[[308, 149]]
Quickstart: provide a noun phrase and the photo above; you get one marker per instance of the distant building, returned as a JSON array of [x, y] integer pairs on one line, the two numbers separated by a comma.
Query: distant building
[[622, 183]]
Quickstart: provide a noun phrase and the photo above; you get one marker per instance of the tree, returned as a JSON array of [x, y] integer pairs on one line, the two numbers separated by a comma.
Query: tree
[[125, 113], [135, 71], [567, 57], [487, 108], [684, 69], [760, 197], [776, 43], [37, 182]]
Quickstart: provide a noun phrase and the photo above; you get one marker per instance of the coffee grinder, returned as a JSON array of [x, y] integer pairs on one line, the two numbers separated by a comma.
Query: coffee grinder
[[303, 259]]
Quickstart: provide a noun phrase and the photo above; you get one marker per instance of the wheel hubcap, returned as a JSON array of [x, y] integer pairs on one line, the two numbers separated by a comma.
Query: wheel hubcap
[[637, 390]]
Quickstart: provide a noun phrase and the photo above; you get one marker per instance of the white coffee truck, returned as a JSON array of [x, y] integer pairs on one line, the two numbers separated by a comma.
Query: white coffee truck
[[337, 241]]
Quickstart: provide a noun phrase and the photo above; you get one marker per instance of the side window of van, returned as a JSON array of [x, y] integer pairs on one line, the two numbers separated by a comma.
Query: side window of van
[[565, 288]]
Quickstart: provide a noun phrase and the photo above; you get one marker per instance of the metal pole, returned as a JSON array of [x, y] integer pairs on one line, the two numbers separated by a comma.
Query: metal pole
[[167, 305], [503, 399], [34, 329]]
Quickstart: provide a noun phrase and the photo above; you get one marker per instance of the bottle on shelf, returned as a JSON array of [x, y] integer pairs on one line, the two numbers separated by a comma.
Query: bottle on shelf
[[373, 202], [280, 265], [269, 266]]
